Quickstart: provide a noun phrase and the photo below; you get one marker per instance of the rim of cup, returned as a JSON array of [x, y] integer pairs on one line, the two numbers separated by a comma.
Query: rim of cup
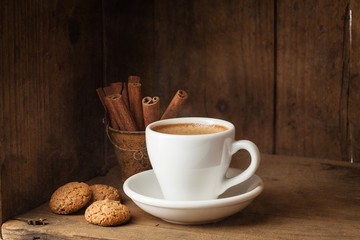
[[199, 120]]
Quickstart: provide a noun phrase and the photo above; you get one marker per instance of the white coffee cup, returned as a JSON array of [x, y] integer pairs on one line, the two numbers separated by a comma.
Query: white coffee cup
[[193, 167]]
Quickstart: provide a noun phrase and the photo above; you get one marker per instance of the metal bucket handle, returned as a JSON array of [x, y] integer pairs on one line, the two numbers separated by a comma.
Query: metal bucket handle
[[138, 154]]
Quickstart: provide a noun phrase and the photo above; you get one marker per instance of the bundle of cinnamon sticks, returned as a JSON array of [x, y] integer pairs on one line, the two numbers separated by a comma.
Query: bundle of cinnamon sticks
[[127, 110]]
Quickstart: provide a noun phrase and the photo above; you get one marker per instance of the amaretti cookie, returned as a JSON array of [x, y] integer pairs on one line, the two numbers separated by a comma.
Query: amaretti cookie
[[70, 197], [102, 192], [107, 213]]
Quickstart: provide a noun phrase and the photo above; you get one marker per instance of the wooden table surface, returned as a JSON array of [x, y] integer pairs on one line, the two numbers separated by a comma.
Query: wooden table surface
[[303, 198]]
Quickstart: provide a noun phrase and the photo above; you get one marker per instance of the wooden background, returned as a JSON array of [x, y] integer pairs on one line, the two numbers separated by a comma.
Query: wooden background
[[285, 72]]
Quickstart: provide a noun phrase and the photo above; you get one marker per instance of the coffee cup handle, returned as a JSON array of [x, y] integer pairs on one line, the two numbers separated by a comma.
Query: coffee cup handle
[[254, 164]]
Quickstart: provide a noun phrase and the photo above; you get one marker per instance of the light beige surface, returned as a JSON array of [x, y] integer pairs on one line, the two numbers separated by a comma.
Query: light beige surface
[[303, 199]]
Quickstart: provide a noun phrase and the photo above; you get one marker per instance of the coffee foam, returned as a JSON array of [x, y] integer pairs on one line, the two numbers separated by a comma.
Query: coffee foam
[[189, 128]]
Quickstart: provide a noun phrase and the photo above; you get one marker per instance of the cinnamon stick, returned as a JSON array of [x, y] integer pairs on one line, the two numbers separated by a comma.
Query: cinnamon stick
[[125, 95], [175, 105], [134, 79], [134, 90], [111, 112], [123, 116], [151, 109], [108, 90], [116, 87], [101, 95], [120, 88]]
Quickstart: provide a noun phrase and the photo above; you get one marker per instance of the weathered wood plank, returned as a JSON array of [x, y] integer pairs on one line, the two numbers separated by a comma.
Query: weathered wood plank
[[302, 199], [50, 114], [128, 37], [222, 53], [310, 79], [128, 46], [354, 85]]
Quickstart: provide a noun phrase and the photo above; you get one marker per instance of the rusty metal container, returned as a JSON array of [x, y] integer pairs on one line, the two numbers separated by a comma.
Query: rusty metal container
[[130, 150]]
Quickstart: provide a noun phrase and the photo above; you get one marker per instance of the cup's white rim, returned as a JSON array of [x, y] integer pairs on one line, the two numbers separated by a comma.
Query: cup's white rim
[[201, 120]]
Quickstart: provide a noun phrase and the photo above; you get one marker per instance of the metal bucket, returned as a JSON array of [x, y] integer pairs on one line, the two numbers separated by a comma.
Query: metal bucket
[[130, 150]]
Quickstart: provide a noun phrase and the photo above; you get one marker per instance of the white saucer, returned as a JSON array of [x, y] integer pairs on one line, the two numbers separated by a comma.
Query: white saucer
[[143, 188]]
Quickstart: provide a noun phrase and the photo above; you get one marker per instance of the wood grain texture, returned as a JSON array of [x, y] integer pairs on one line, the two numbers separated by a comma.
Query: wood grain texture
[[311, 78], [221, 53], [286, 73], [354, 84], [288, 82], [50, 115], [128, 35], [128, 40], [302, 199]]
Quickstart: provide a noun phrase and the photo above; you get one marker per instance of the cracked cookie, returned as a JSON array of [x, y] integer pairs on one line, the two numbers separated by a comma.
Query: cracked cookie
[[70, 197], [102, 192], [107, 213]]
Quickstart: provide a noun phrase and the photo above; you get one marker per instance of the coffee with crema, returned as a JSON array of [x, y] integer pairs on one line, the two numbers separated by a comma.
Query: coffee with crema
[[190, 166], [189, 128]]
